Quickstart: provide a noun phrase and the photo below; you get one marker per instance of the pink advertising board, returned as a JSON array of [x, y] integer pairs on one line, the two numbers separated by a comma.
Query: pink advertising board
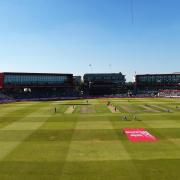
[[139, 135]]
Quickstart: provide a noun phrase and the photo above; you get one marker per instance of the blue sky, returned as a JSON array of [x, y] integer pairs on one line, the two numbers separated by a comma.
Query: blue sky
[[66, 36]]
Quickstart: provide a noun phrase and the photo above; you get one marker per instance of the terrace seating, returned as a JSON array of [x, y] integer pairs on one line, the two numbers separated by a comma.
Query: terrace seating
[[4, 97]]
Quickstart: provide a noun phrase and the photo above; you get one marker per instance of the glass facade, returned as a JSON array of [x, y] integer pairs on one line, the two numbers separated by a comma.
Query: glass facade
[[26, 79], [158, 81], [116, 78], [171, 78], [104, 83]]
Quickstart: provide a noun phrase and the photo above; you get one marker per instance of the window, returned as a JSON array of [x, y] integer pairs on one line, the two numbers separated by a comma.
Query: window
[[35, 79]]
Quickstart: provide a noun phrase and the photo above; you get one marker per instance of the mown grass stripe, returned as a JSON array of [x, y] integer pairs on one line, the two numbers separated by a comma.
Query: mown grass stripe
[[10, 146]]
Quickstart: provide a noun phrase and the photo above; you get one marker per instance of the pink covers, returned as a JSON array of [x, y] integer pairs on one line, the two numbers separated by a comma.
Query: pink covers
[[140, 134]]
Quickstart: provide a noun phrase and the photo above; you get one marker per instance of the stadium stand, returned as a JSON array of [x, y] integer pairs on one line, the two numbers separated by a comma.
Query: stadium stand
[[104, 83], [169, 93], [153, 83], [47, 86], [36, 85]]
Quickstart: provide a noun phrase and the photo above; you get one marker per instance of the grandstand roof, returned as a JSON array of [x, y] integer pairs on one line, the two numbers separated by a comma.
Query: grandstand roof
[[158, 74], [30, 73]]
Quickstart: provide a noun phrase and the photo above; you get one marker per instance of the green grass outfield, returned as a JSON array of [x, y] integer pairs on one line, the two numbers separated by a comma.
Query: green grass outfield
[[87, 143]]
